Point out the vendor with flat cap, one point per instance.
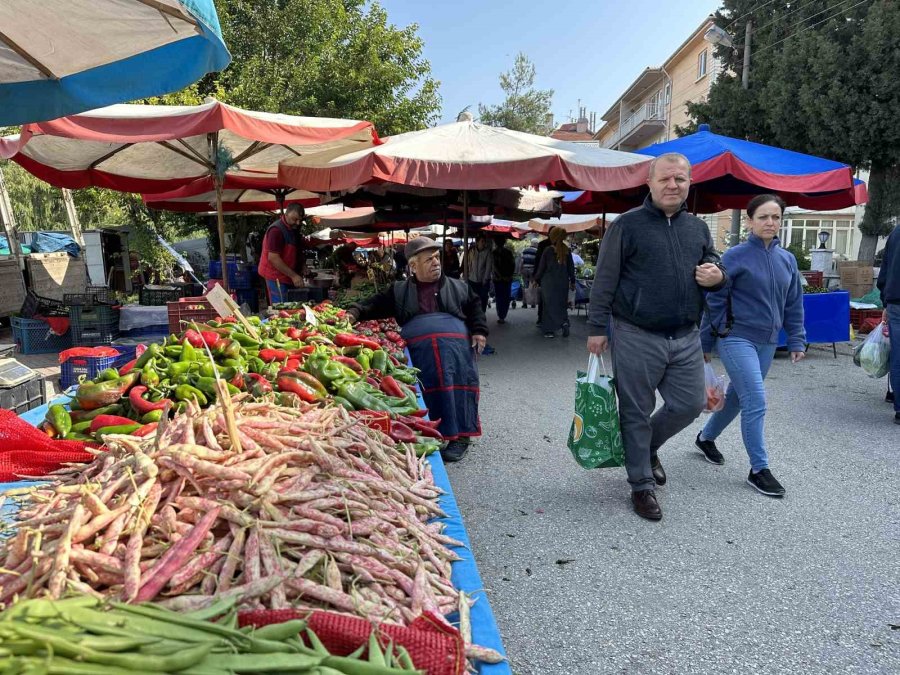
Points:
(445, 328)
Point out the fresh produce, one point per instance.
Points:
(277, 507)
(875, 354)
(80, 634)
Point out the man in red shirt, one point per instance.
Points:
(282, 260)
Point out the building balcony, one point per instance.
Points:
(636, 129)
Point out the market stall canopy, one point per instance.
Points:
(244, 200)
(466, 155)
(60, 57)
(727, 172)
(570, 223)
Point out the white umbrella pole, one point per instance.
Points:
(221, 223)
(466, 224)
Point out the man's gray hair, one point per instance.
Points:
(670, 157)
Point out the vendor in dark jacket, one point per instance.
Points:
(444, 327)
(889, 286)
(655, 263)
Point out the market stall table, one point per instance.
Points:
(465, 575)
(826, 317)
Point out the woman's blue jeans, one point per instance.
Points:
(747, 364)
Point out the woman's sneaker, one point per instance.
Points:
(765, 482)
(710, 451)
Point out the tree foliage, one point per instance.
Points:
(524, 108)
(822, 81)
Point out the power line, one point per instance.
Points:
(742, 16)
(813, 16)
(810, 27)
(784, 16)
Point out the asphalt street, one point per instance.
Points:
(730, 581)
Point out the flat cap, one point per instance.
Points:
(416, 246)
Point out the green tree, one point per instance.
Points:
(524, 108)
(822, 81)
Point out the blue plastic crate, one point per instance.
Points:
(35, 337)
(89, 366)
(250, 296)
(155, 331)
(128, 352)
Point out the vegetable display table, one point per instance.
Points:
(826, 319)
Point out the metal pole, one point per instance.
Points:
(466, 227)
(735, 235)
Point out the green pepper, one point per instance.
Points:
(59, 417)
(185, 392)
(229, 349)
(173, 340)
(79, 416)
(149, 375)
(152, 416)
(184, 378)
(351, 351)
(341, 401)
(379, 360)
(151, 351)
(405, 375)
(107, 374)
(233, 363)
(245, 340)
(256, 365)
(254, 320)
(359, 396)
(205, 384)
(118, 429)
(78, 436)
(207, 369)
(180, 407)
(173, 351)
(364, 358)
(188, 353)
(178, 368)
(80, 427)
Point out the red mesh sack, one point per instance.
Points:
(27, 451)
(433, 646)
(868, 325)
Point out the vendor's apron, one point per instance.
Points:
(440, 347)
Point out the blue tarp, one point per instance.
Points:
(166, 68)
(52, 242)
(4, 246)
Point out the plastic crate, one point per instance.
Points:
(242, 277)
(127, 353)
(93, 295)
(859, 316)
(87, 315)
(215, 266)
(307, 294)
(249, 296)
(188, 310)
(160, 296)
(95, 334)
(89, 366)
(814, 278)
(35, 337)
(23, 397)
(160, 330)
(38, 304)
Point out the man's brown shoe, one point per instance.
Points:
(645, 504)
(659, 474)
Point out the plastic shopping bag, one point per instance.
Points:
(715, 389)
(595, 438)
(532, 294)
(875, 354)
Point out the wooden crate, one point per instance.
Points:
(54, 274)
(12, 287)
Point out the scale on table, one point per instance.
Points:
(12, 373)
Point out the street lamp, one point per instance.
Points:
(823, 237)
(717, 36)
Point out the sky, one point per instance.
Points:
(589, 50)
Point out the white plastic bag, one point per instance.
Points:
(715, 389)
(875, 353)
(532, 294)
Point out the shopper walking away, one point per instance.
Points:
(504, 265)
(647, 299)
(479, 269)
(764, 293)
(556, 276)
(542, 246)
(283, 259)
(400, 261)
(889, 286)
(526, 263)
(445, 329)
(450, 260)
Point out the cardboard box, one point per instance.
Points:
(857, 290)
(857, 275)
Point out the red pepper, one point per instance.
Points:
(348, 340)
(421, 412)
(292, 365)
(391, 387)
(146, 430)
(128, 367)
(294, 333)
(303, 351)
(228, 319)
(401, 433)
(141, 405)
(270, 355)
(347, 361)
(292, 385)
(258, 385)
(284, 315)
(193, 337)
(101, 421)
(211, 338)
(393, 336)
(372, 381)
(238, 381)
(424, 428)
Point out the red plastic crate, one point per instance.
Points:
(859, 316)
(186, 310)
(814, 278)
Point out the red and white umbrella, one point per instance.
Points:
(195, 149)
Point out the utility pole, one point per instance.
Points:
(745, 83)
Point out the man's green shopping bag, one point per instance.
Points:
(595, 438)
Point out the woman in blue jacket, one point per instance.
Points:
(764, 293)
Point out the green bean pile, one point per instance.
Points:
(80, 635)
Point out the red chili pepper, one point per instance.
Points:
(270, 355)
(258, 384)
(228, 319)
(128, 367)
(284, 315)
(294, 333)
(303, 351)
(141, 405)
(421, 412)
(372, 381)
(347, 361)
(401, 433)
(193, 337)
(101, 421)
(393, 336)
(238, 381)
(348, 340)
(211, 338)
(292, 385)
(292, 364)
(391, 387)
(424, 428)
(146, 430)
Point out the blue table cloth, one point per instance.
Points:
(826, 318)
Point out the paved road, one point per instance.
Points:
(730, 581)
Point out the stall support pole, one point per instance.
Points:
(465, 231)
(9, 224)
(220, 220)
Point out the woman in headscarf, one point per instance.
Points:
(556, 276)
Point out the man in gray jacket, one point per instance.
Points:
(647, 300)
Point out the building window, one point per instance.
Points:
(805, 233)
(668, 94)
(701, 64)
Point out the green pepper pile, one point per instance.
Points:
(289, 357)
